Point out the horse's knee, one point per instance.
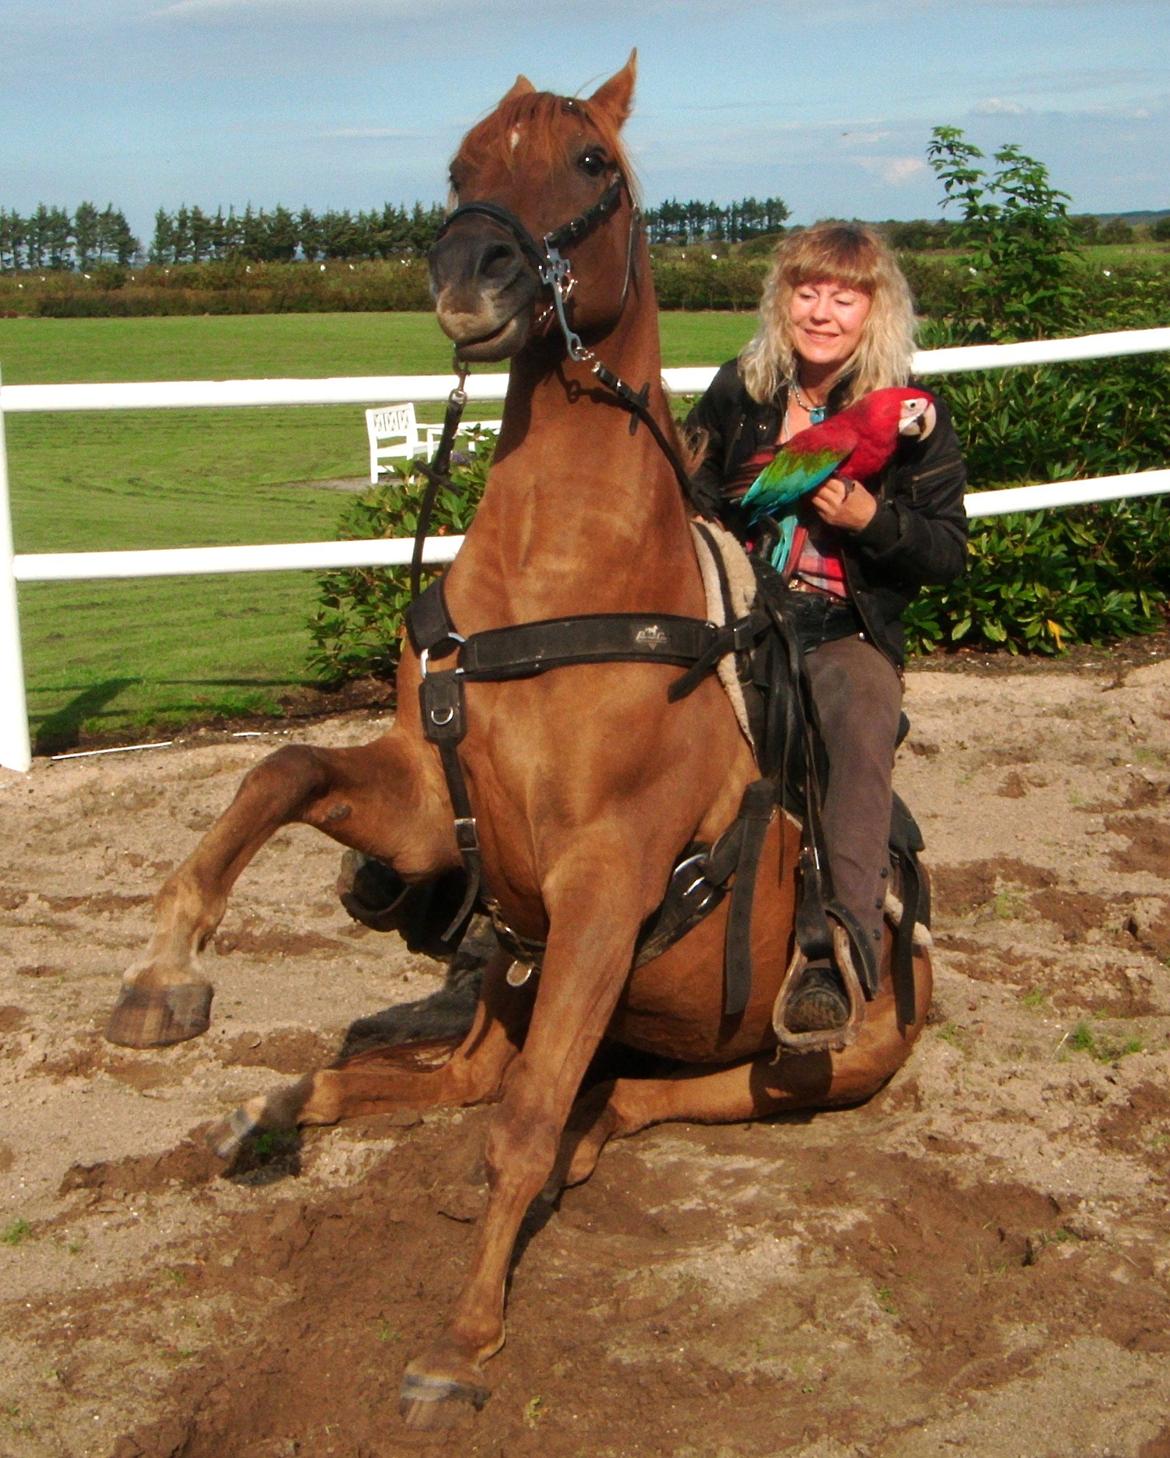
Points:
(519, 1151)
(298, 765)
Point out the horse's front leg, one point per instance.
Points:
(385, 798)
(416, 1075)
(590, 949)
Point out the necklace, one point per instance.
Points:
(816, 413)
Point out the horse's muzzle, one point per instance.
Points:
(484, 287)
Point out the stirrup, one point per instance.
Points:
(820, 1040)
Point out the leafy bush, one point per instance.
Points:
(357, 626)
(1040, 580)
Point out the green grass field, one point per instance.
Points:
(129, 658)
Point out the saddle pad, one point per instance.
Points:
(742, 586)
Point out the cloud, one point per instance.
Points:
(998, 106)
(896, 171)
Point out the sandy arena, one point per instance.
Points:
(977, 1262)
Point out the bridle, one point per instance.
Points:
(552, 268)
(555, 273)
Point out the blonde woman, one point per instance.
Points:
(836, 321)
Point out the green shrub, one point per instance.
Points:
(1038, 581)
(357, 626)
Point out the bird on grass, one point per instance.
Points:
(856, 443)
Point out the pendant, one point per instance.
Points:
(817, 414)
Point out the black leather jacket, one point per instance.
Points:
(918, 534)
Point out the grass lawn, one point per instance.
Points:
(128, 658)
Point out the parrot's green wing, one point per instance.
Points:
(787, 477)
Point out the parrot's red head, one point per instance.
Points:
(908, 411)
(917, 415)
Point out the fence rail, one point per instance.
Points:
(15, 748)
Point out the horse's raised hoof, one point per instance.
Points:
(153, 1017)
(428, 1402)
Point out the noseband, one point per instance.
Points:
(552, 268)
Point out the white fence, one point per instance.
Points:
(15, 750)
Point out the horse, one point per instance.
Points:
(573, 789)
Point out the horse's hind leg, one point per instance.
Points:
(384, 798)
(751, 1090)
(437, 1072)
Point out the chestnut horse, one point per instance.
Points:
(585, 781)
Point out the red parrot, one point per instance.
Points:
(857, 442)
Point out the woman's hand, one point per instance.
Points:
(843, 503)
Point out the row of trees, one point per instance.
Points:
(54, 238)
(694, 221)
(189, 235)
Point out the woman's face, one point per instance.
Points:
(827, 320)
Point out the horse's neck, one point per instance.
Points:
(580, 515)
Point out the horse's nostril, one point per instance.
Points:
(497, 261)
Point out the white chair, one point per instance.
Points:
(396, 435)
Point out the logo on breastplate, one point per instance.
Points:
(650, 637)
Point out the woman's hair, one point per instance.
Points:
(852, 255)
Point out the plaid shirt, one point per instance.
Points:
(816, 559)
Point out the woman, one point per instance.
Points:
(837, 321)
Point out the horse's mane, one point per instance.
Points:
(541, 116)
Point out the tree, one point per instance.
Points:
(281, 243)
(116, 242)
(86, 239)
(1018, 236)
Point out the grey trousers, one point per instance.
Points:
(858, 698)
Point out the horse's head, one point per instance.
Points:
(541, 180)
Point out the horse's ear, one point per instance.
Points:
(520, 87)
(616, 96)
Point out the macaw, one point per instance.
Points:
(857, 442)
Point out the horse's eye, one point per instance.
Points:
(593, 161)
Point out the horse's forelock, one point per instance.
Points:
(545, 123)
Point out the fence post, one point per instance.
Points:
(15, 750)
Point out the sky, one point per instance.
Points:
(348, 104)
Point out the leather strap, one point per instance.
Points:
(755, 814)
(444, 716)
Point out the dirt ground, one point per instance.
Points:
(976, 1262)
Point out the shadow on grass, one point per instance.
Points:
(94, 716)
(62, 730)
